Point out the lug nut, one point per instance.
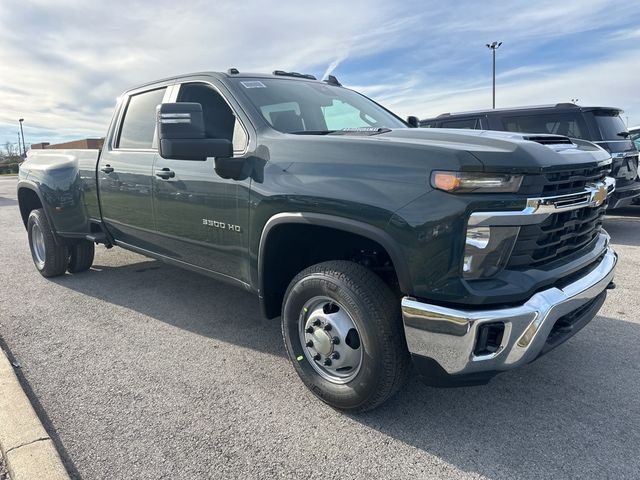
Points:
(309, 344)
(317, 323)
(317, 357)
(327, 361)
(309, 330)
(335, 341)
(328, 327)
(335, 355)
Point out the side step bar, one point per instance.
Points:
(99, 237)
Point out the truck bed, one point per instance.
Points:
(66, 180)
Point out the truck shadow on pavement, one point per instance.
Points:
(183, 299)
(573, 413)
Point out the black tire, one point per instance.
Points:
(375, 311)
(81, 256)
(51, 259)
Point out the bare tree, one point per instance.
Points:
(10, 153)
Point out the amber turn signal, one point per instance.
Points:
(467, 182)
(446, 181)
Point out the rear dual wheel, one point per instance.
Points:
(50, 258)
(343, 333)
(81, 256)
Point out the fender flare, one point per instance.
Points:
(338, 223)
(25, 184)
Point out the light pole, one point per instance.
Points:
(24, 145)
(493, 46)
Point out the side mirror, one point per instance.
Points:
(413, 122)
(182, 135)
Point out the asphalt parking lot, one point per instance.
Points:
(141, 370)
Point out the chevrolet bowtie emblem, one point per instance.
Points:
(600, 195)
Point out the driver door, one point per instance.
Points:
(201, 218)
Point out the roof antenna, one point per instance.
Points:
(332, 80)
(333, 65)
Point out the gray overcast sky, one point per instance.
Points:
(64, 62)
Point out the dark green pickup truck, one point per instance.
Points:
(469, 253)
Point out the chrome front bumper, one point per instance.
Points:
(448, 336)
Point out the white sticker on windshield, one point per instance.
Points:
(253, 84)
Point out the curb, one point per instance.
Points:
(28, 450)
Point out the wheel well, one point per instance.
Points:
(290, 248)
(28, 201)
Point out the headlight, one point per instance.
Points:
(460, 182)
(487, 250)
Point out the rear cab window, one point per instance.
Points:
(341, 115)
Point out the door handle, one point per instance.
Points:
(107, 169)
(165, 173)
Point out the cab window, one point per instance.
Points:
(219, 119)
(139, 123)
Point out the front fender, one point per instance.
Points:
(338, 223)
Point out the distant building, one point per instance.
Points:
(85, 143)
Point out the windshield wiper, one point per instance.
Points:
(313, 132)
(345, 131)
(623, 134)
(362, 131)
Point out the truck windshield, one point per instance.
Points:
(611, 126)
(304, 107)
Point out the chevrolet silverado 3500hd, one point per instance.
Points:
(468, 253)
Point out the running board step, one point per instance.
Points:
(98, 237)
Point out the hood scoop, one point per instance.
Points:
(549, 139)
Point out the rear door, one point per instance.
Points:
(202, 218)
(125, 169)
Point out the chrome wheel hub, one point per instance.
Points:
(37, 242)
(330, 339)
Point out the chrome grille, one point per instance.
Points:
(560, 235)
(563, 182)
(560, 183)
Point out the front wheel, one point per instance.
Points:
(343, 333)
(49, 258)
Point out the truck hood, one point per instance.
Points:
(427, 149)
(411, 154)
(505, 151)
